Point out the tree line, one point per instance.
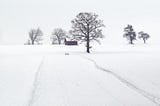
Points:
(86, 27)
(131, 35)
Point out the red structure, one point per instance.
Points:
(70, 42)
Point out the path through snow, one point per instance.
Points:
(146, 94)
(78, 83)
(36, 82)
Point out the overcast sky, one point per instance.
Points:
(19, 16)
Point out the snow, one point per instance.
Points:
(16, 77)
(110, 76)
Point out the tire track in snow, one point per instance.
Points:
(149, 96)
(35, 84)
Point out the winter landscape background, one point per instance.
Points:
(19, 16)
(115, 73)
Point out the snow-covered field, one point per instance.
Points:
(109, 76)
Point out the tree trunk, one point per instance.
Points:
(52, 42)
(32, 42)
(88, 46)
(144, 41)
(59, 41)
(131, 41)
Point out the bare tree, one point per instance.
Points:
(35, 36)
(86, 27)
(129, 34)
(143, 36)
(58, 35)
(28, 42)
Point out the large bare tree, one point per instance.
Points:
(86, 27)
(58, 35)
(35, 36)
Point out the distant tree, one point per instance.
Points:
(58, 35)
(28, 42)
(130, 34)
(35, 36)
(86, 27)
(143, 36)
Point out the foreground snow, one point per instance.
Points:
(16, 77)
(45, 76)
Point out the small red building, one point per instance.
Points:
(70, 42)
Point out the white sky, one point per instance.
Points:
(19, 16)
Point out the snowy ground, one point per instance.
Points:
(109, 76)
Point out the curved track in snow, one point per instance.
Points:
(146, 94)
(35, 84)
